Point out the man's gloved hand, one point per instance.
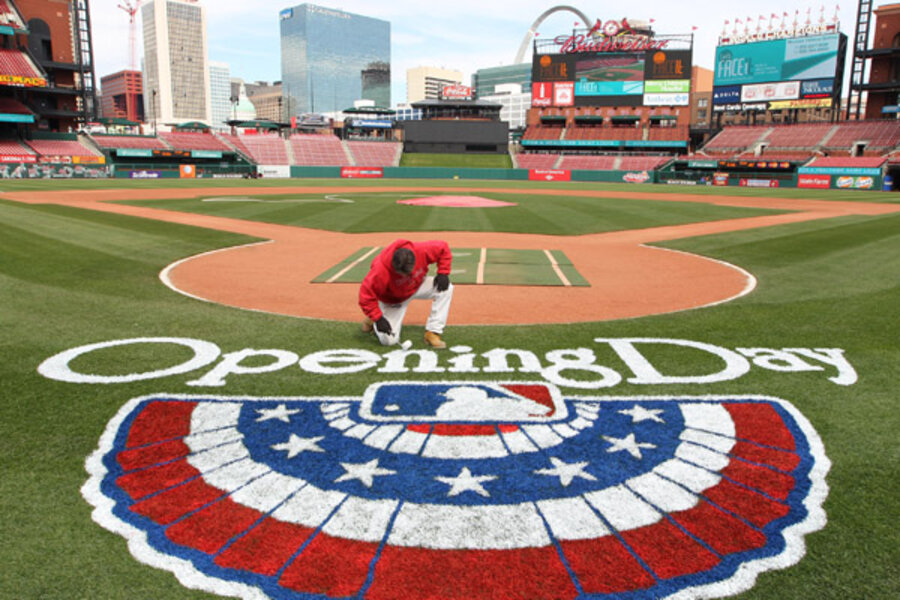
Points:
(441, 282)
(384, 326)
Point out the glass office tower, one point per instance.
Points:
(331, 58)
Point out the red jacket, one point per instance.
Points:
(384, 284)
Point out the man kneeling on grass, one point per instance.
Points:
(398, 275)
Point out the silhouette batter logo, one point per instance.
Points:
(463, 490)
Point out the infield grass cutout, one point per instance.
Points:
(477, 266)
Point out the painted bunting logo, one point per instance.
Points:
(461, 489)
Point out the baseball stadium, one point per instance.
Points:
(669, 365)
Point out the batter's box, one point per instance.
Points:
(477, 266)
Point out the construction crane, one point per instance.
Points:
(131, 10)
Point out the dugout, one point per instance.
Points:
(456, 126)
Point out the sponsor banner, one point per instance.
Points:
(372, 123)
(720, 179)
(871, 171)
(564, 93)
(642, 177)
(703, 164)
(575, 143)
(668, 86)
(807, 103)
(755, 164)
(729, 94)
(21, 81)
(817, 88)
(456, 92)
(821, 182)
(549, 175)
(206, 154)
(553, 67)
(811, 57)
(542, 94)
(609, 88)
(742, 107)
(362, 172)
(274, 171)
(767, 92)
(857, 183)
(134, 152)
(759, 183)
(89, 160)
(187, 171)
(674, 99)
(18, 158)
(51, 171)
(145, 174)
(668, 65)
(655, 143)
(681, 182)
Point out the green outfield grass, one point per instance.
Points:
(70, 277)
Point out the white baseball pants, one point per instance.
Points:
(437, 320)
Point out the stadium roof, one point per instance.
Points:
(369, 110)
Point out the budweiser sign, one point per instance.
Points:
(611, 36)
(456, 92)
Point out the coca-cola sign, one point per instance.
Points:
(456, 92)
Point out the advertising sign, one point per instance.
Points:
(667, 86)
(729, 94)
(820, 182)
(456, 92)
(564, 93)
(22, 81)
(668, 64)
(858, 183)
(362, 172)
(681, 99)
(802, 103)
(542, 94)
(549, 175)
(18, 158)
(817, 88)
(784, 90)
(553, 67)
(813, 57)
(763, 183)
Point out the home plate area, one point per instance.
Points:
(475, 490)
(477, 266)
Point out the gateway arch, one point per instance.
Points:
(529, 35)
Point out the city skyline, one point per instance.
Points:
(472, 36)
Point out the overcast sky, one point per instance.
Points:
(465, 35)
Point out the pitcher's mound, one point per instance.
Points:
(456, 201)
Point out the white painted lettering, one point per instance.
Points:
(846, 374)
(465, 362)
(354, 361)
(777, 360)
(395, 362)
(57, 366)
(645, 373)
(498, 363)
(578, 359)
(231, 365)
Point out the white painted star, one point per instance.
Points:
(639, 413)
(627, 443)
(566, 471)
(466, 482)
(280, 412)
(365, 472)
(296, 444)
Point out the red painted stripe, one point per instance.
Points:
(760, 423)
(522, 574)
(786, 461)
(139, 484)
(452, 429)
(138, 458)
(266, 548)
(721, 531)
(750, 505)
(211, 528)
(538, 393)
(331, 566)
(160, 420)
(604, 566)
(774, 483)
(168, 506)
(668, 551)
